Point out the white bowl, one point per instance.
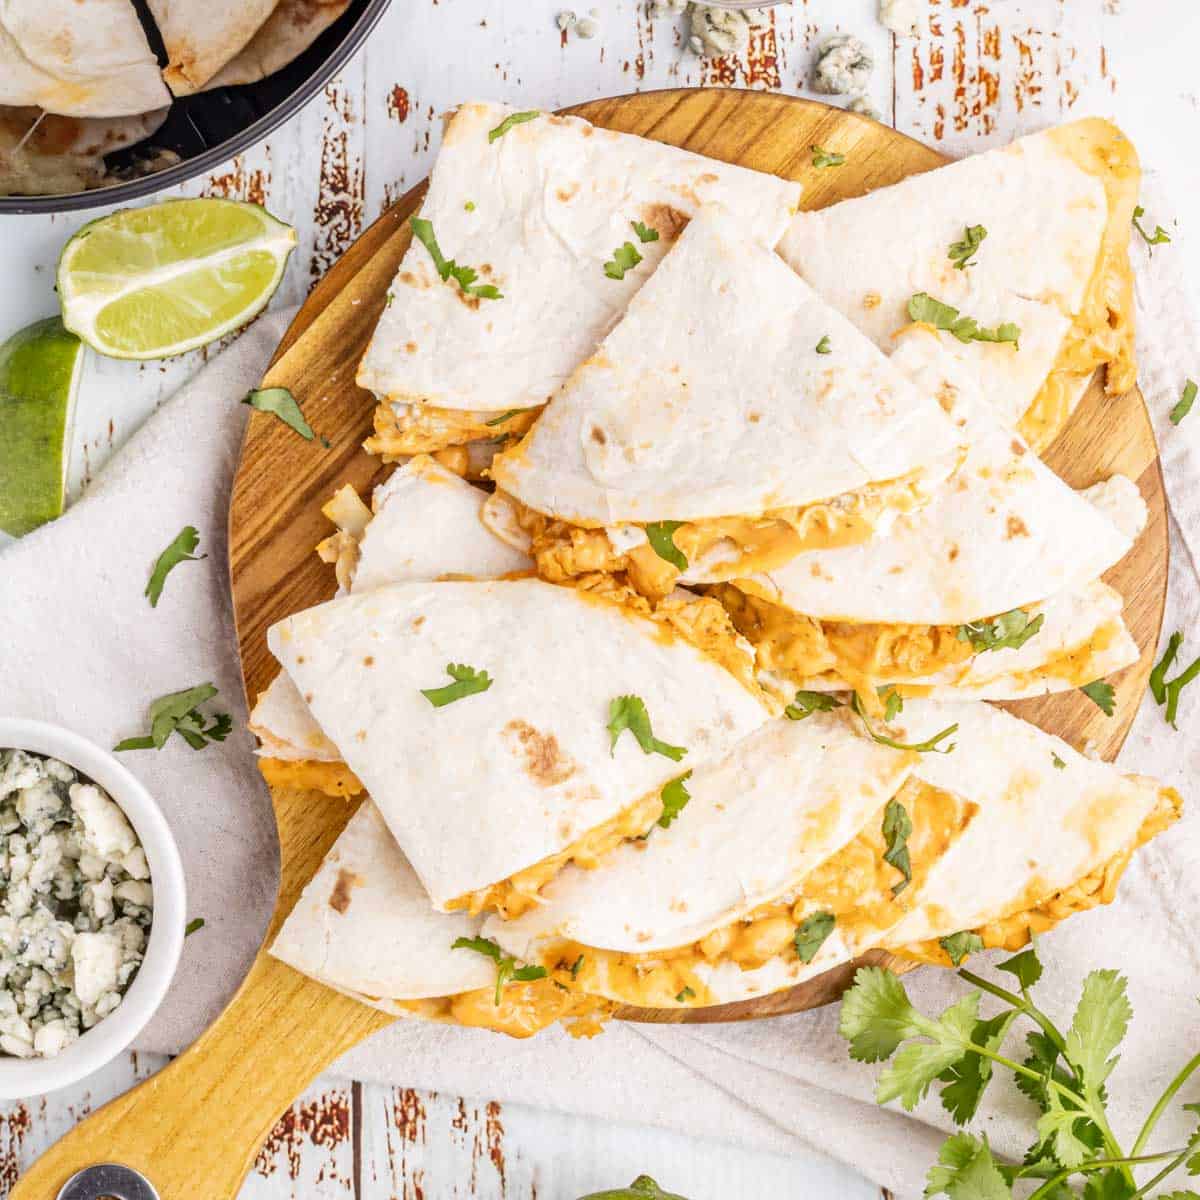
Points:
(108, 1037)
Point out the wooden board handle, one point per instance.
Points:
(194, 1128)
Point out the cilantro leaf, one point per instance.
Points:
(674, 797)
(1025, 966)
(958, 945)
(1186, 401)
(1099, 1024)
(480, 945)
(966, 1171)
(1102, 695)
(804, 704)
(893, 702)
(1059, 764)
(1008, 631)
(876, 1015)
(644, 232)
(824, 346)
(625, 258)
(642, 1188)
(811, 934)
(661, 535)
(1159, 236)
(629, 712)
(180, 550)
(178, 712)
(467, 682)
(191, 927)
(282, 404)
(507, 416)
(917, 1064)
(575, 966)
(924, 309)
(506, 967)
(961, 252)
(1175, 687)
(967, 1080)
(1158, 676)
(897, 826)
(447, 268)
(517, 118)
(686, 993)
(1057, 1129)
(926, 747)
(826, 158)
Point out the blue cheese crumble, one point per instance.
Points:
(76, 904)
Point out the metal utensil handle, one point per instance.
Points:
(108, 1180)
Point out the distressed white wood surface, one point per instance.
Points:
(982, 72)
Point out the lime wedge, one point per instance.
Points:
(153, 282)
(39, 371)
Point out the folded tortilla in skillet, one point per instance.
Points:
(1057, 209)
(201, 36)
(291, 28)
(93, 63)
(538, 211)
(735, 413)
(1004, 540)
(527, 773)
(364, 926)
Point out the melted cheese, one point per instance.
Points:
(1102, 331)
(425, 429)
(1036, 912)
(332, 778)
(855, 884)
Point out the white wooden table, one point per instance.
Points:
(984, 71)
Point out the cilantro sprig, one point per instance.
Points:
(825, 346)
(644, 232)
(1186, 401)
(625, 258)
(931, 745)
(674, 797)
(447, 268)
(506, 966)
(467, 682)
(661, 536)
(822, 158)
(1008, 631)
(179, 712)
(280, 402)
(897, 829)
(804, 704)
(513, 119)
(962, 253)
(811, 934)
(1168, 693)
(629, 712)
(508, 416)
(924, 309)
(1157, 238)
(1102, 694)
(1064, 1074)
(196, 923)
(179, 551)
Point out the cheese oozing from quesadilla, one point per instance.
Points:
(729, 422)
(558, 223)
(1033, 236)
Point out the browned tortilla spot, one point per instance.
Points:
(1015, 528)
(668, 221)
(346, 882)
(545, 761)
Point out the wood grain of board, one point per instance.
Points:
(205, 1115)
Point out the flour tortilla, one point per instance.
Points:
(425, 524)
(1040, 827)
(552, 199)
(1043, 202)
(711, 399)
(290, 29)
(520, 771)
(55, 56)
(201, 36)
(364, 925)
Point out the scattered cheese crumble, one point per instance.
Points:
(843, 66)
(76, 906)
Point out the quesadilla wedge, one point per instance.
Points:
(730, 421)
(1054, 832)
(1019, 257)
(93, 63)
(201, 36)
(423, 523)
(364, 926)
(534, 235)
(803, 847)
(544, 720)
(992, 590)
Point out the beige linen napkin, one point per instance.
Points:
(81, 646)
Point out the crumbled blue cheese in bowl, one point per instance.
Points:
(75, 904)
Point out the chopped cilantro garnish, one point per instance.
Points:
(826, 158)
(958, 945)
(961, 252)
(180, 550)
(629, 712)
(644, 232)
(661, 535)
(575, 967)
(518, 118)
(281, 403)
(1186, 401)
(191, 927)
(811, 934)
(467, 682)
(893, 702)
(506, 965)
(447, 268)
(1169, 693)
(804, 704)
(1101, 694)
(1159, 236)
(178, 712)
(824, 346)
(1008, 631)
(1158, 687)
(920, 747)
(897, 826)
(674, 797)
(625, 258)
(508, 416)
(469, 206)
(686, 994)
(1059, 765)
(923, 308)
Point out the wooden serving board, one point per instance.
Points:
(195, 1128)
